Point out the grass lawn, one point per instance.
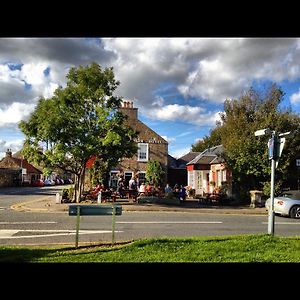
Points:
(221, 249)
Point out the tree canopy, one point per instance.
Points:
(80, 121)
(155, 173)
(247, 155)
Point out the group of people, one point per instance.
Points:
(178, 191)
(134, 189)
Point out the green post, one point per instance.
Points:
(77, 226)
(113, 223)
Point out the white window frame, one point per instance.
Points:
(139, 152)
(111, 177)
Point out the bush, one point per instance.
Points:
(67, 194)
(169, 195)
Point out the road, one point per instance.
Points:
(37, 228)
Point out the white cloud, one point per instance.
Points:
(15, 146)
(180, 152)
(295, 98)
(169, 139)
(213, 69)
(14, 113)
(183, 113)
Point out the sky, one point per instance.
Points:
(179, 85)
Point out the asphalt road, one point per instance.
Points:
(38, 228)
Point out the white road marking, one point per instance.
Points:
(283, 223)
(171, 222)
(14, 223)
(9, 234)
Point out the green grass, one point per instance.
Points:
(241, 249)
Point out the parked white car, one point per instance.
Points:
(288, 204)
(49, 182)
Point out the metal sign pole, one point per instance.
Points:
(113, 223)
(77, 226)
(271, 210)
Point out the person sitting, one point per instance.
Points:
(142, 189)
(182, 193)
(168, 189)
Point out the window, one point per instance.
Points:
(142, 177)
(113, 179)
(142, 152)
(199, 180)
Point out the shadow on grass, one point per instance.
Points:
(21, 255)
(24, 255)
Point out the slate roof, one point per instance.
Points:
(208, 156)
(180, 163)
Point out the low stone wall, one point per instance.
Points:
(158, 200)
(9, 177)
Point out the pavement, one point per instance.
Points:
(48, 204)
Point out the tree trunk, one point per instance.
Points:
(81, 182)
(76, 188)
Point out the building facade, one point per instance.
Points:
(207, 172)
(17, 171)
(151, 146)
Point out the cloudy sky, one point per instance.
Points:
(178, 84)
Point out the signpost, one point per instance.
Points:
(298, 167)
(275, 147)
(94, 210)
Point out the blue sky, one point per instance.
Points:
(178, 84)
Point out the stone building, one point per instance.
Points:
(16, 171)
(151, 146)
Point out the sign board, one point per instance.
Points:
(272, 148)
(24, 171)
(94, 210)
(280, 145)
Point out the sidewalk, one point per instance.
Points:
(48, 204)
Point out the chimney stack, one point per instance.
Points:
(128, 109)
(8, 153)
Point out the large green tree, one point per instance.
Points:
(80, 121)
(247, 155)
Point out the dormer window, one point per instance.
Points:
(143, 152)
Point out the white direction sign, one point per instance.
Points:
(281, 142)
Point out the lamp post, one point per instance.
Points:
(275, 146)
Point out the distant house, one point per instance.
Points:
(207, 172)
(177, 171)
(20, 170)
(151, 146)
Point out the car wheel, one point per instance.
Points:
(295, 212)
